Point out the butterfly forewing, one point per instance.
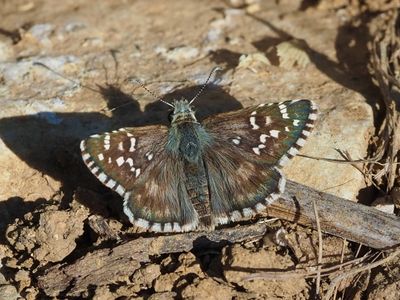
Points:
(272, 133)
(133, 162)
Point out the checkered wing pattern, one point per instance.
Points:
(250, 145)
(133, 162)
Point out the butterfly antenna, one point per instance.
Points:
(215, 69)
(151, 93)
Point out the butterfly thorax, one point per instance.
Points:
(186, 138)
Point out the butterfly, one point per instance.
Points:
(192, 175)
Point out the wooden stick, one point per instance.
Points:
(337, 216)
(116, 264)
(340, 217)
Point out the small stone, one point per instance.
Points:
(9, 292)
(41, 32)
(23, 278)
(163, 296)
(6, 51)
(384, 204)
(179, 54)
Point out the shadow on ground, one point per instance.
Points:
(54, 149)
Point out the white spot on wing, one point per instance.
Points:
(120, 190)
(167, 227)
(283, 161)
(137, 172)
(149, 155)
(274, 133)
(282, 106)
(111, 183)
(121, 146)
(235, 215)
(129, 161)
(312, 116)
(133, 143)
(260, 207)
(293, 151)
(263, 138)
(86, 156)
(223, 220)
(268, 120)
(142, 223)
(100, 156)
(236, 141)
(256, 150)
(253, 123)
(296, 122)
(120, 160)
(82, 145)
(247, 212)
(128, 212)
(176, 227)
(301, 142)
(102, 177)
(156, 227)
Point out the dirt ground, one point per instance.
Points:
(55, 214)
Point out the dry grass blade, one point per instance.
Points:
(385, 67)
(319, 261)
(356, 270)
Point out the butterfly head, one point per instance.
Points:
(183, 112)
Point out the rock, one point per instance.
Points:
(239, 262)
(163, 296)
(179, 54)
(41, 33)
(9, 292)
(384, 204)
(103, 293)
(188, 265)
(23, 278)
(53, 238)
(208, 289)
(144, 277)
(6, 51)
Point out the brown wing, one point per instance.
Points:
(133, 162)
(249, 145)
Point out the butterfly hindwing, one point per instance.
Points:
(239, 186)
(133, 162)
